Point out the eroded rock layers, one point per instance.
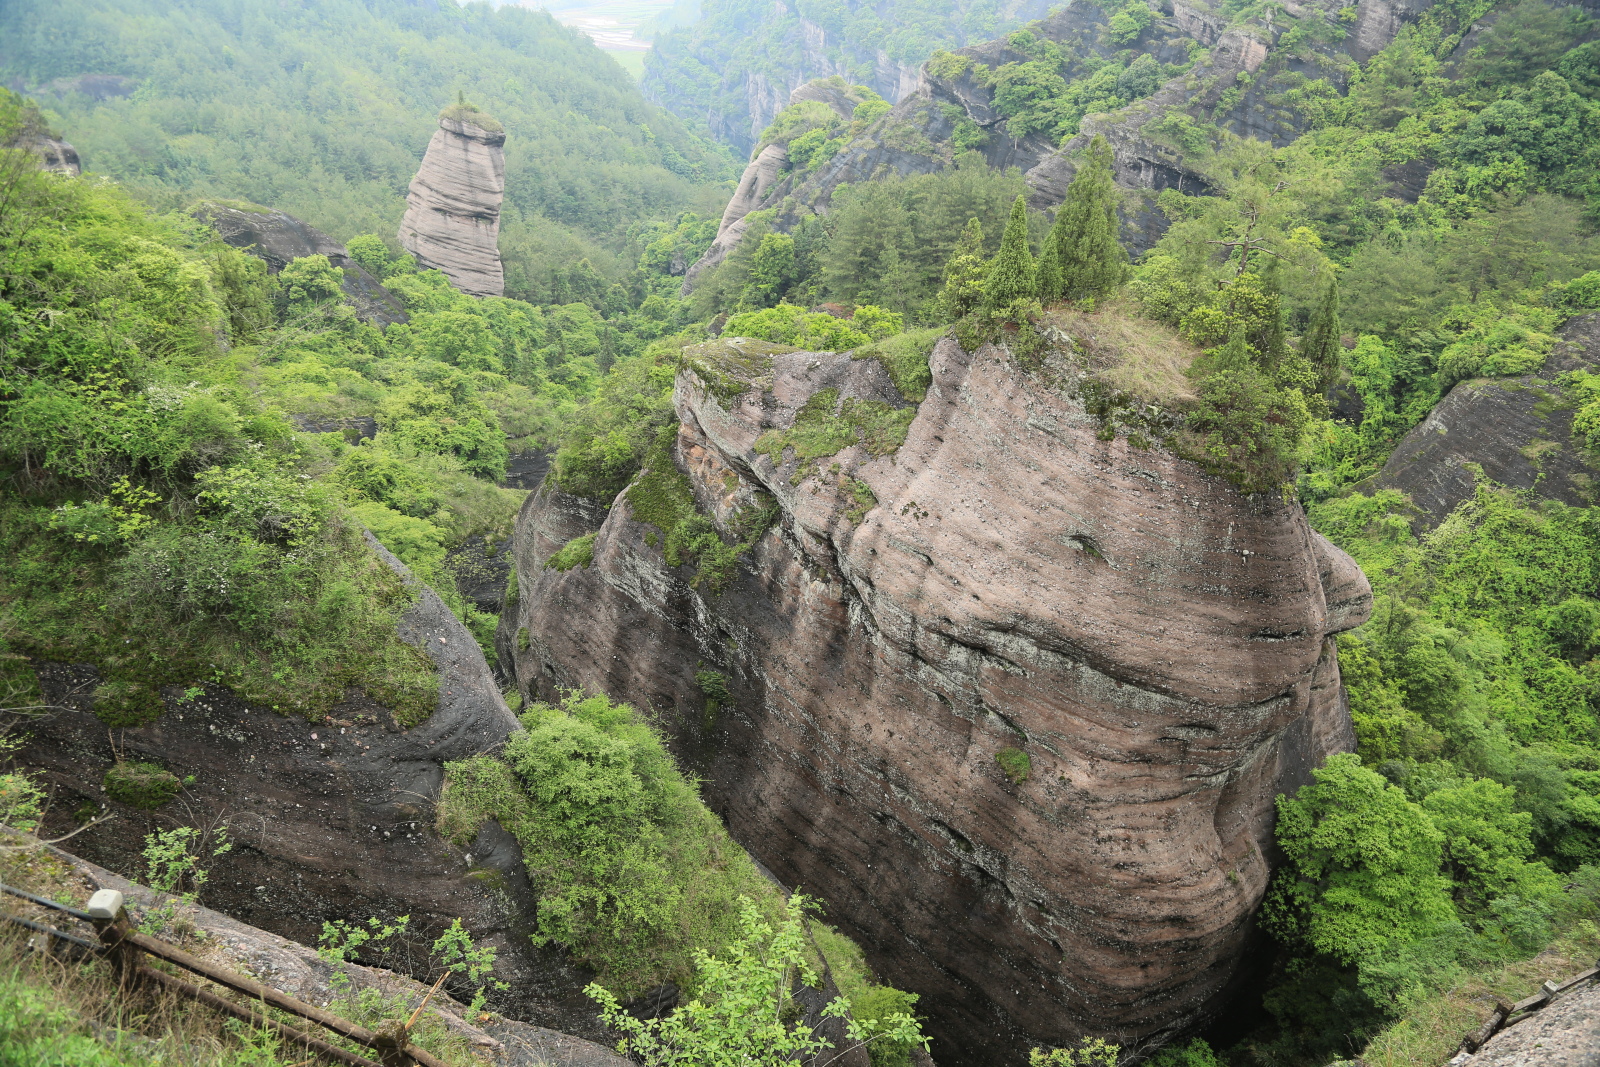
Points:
(1157, 645)
(452, 219)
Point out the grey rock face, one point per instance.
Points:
(1564, 1034)
(1517, 431)
(278, 238)
(764, 172)
(331, 819)
(452, 219)
(55, 155)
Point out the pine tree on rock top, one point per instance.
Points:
(964, 273)
(1011, 275)
(1085, 233)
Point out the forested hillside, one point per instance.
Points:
(734, 67)
(323, 110)
(1413, 225)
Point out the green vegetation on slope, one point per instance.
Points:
(701, 71)
(634, 873)
(162, 519)
(324, 109)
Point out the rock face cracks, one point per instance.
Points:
(452, 219)
(1014, 701)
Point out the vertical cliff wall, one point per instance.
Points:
(452, 219)
(911, 626)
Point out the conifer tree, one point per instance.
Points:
(964, 273)
(1049, 272)
(1320, 345)
(1086, 229)
(1011, 275)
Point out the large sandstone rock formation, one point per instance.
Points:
(278, 238)
(1514, 431)
(330, 820)
(1157, 644)
(452, 219)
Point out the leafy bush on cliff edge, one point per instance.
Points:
(633, 872)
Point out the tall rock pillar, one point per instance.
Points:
(452, 220)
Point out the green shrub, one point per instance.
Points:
(905, 357)
(633, 872)
(140, 784)
(123, 703)
(578, 552)
(1015, 763)
(742, 1010)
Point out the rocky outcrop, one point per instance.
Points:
(330, 819)
(296, 969)
(1514, 431)
(278, 238)
(1240, 84)
(1015, 701)
(1564, 1034)
(764, 172)
(452, 219)
(758, 57)
(27, 130)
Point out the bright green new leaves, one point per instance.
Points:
(1364, 870)
(743, 1013)
(964, 273)
(1011, 274)
(1487, 843)
(633, 872)
(815, 331)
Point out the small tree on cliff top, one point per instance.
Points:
(1011, 275)
(1085, 232)
(964, 273)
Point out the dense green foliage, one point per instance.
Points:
(161, 517)
(885, 243)
(1053, 88)
(1011, 278)
(1082, 258)
(633, 873)
(744, 1011)
(701, 71)
(324, 109)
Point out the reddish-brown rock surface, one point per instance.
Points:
(1157, 643)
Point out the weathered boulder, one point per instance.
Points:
(1148, 650)
(329, 820)
(1514, 431)
(32, 134)
(452, 219)
(278, 238)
